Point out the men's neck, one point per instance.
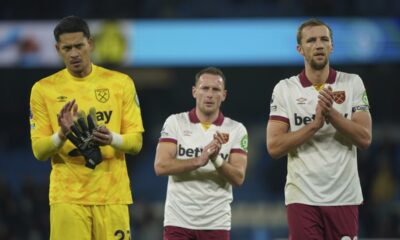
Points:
(84, 73)
(205, 118)
(317, 76)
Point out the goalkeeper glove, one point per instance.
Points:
(81, 136)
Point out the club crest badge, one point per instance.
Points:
(339, 96)
(102, 95)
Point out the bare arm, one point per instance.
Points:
(166, 162)
(66, 117)
(280, 141)
(358, 130)
(234, 170)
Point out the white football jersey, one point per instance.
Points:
(200, 199)
(322, 171)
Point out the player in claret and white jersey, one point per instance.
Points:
(318, 119)
(204, 153)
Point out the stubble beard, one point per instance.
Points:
(208, 111)
(318, 66)
(79, 70)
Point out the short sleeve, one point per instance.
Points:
(278, 108)
(360, 99)
(240, 143)
(169, 130)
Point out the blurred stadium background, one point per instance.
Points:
(162, 44)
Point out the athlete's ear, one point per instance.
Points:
(91, 43)
(300, 49)
(57, 47)
(194, 91)
(224, 94)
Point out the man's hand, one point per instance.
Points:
(319, 119)
(206, 154)
(102, 135)
(66, 118)
(81, 135)
(219, 138)
(215, 147)
(325, 100)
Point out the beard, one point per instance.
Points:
(318, 66)
(207, 111)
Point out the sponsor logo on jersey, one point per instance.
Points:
(187, 133)
(195, 152)
(104, 116)
(300, 120)
(362, 108)
(301, 100)
(102, 95)
(62, 98)
(339, 96)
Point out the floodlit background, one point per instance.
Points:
(161, 45)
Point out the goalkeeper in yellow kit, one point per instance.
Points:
(85, 118)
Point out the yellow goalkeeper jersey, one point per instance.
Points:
(113, 94)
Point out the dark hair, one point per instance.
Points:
(71, 24)
(212, 71)
(313, 22)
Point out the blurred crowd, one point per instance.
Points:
(195, 9)
(24, 210)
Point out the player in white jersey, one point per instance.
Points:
(318, 119)
(204, 153)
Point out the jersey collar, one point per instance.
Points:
(305, 82)
(194, 119)
(91, 75)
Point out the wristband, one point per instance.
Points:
(218, 162)
(116, 140)
(56, 140)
